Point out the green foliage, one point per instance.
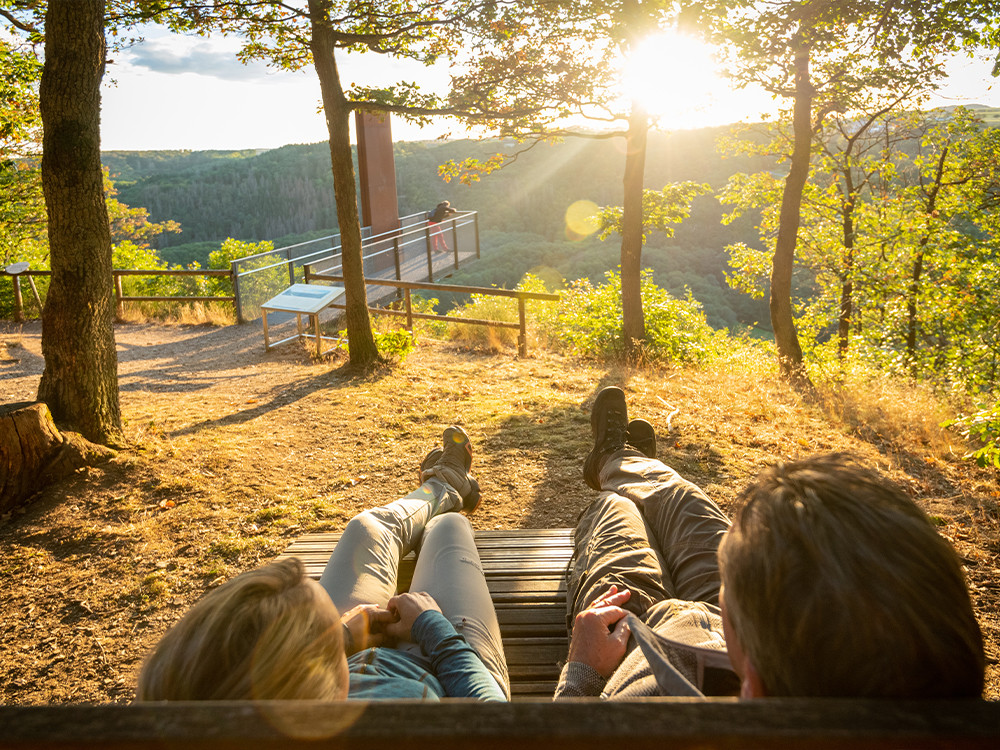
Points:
(588, 323)
(260, 278)
(22, 211)
(983, 427)
(397, 343)
(661, 209)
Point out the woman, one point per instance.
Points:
(274, 633)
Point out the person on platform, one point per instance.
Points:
(434, 218)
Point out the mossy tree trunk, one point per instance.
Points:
(80, 380)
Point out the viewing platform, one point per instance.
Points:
(404, 254)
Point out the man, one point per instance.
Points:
(830, 582)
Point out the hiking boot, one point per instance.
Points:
(451, 464)
(609, 425)
(641, 436)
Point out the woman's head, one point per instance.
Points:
(269, 634)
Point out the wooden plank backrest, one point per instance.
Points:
(526, 573)
(651, 724)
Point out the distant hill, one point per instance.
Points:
(263, 195)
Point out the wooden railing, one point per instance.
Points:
(407, 286)
(120, 297)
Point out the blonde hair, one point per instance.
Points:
(837, 584)
(263, 635)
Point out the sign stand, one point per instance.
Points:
(299, 300)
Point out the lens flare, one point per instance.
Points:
(581, 219)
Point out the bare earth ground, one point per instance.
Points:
(235, 452)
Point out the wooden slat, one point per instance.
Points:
(651, 724)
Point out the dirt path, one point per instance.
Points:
(238, 451)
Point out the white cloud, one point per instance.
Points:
(202, 59)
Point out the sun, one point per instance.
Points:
(674, 77)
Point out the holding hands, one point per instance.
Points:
(368, 625)
(600, 633)
(406, 608)
(364, 627)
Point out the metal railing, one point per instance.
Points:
(400, 253)
(407, 311)
(404, 252)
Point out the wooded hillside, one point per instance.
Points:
(286, 195)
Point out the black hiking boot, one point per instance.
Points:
(641, 436)
(609, 425)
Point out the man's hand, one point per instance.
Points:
(366, 624)
(406, 608)
(600, 633)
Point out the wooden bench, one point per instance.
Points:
(652, 724)
(526, 574)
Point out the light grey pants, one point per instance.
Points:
(649, 531)
(364, 566)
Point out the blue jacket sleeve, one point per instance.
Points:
(456, 664)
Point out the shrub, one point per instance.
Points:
(981, 427)
(589, 323)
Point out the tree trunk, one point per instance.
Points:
(916, 274)
(33, 453)
(847, 283)
(633, 319)
(363, 351)
(80, 380)
(785, 336)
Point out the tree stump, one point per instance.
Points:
(34, 453)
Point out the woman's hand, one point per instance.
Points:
(406, 608)
(365, 626)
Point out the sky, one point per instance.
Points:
(181, 92)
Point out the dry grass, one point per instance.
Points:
(237, 451)
(189, 314)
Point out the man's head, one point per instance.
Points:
(836, 584)
(268, 634)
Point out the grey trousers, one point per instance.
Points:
(649, 531)
(364, 566)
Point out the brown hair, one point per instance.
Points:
(837, 584)
(263, 635)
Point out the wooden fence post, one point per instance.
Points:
(409, 311)
(18, 301)
(119, 305)
(522, 336)
(234, 276)
(454, 240)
